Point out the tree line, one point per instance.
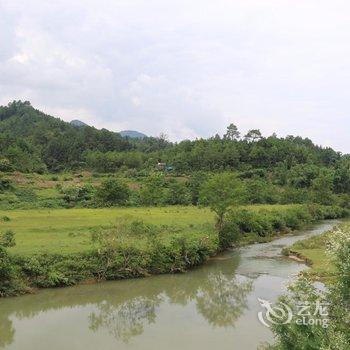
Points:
(31, 141)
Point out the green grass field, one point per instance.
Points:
(69, 230)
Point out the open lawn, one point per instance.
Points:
(69, 230)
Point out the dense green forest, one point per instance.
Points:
(273, 169)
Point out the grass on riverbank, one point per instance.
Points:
(313, 250)
(55, 248)
(67, 231)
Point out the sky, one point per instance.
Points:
(186, 68)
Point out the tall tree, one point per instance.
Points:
(253, 135)
(221, 192)
(232, 132)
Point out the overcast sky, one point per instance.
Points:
(187, 68)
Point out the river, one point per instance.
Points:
(213, 306)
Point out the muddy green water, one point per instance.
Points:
(214, 306)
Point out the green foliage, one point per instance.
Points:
(112, 192)
(5, 184)
(276, 170)
(7, 273)
(7, 239)
(260, 191)
(112, 161)
(232, 132)
(153, 190)
(253, 135)
(77, 194)
(323, 187)
(293, 336)
(246, 226)
(177, 193)
(221, 192)
(32, 141)
(194, 185)
(5, 165)
(9, 284)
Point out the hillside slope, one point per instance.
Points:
(33, 141)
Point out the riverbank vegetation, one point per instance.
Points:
(129, 246)
(330, 256)
(314, 252)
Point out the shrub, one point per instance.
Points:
(5, 184)
(9, 281)
(177, 194)
(112, 192)
(264, 222)
(77, 194)
(230, 233)
(7, 239)
(5, 165)
(153, 190)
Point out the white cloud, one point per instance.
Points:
(186, 68)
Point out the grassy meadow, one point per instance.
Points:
(69, 230)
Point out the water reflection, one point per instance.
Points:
(6, 331)
(124, 308)
(221, 300)
(125, 320)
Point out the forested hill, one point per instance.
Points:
(31, 141)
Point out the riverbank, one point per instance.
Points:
(313, 251)
(217, 302)
(138, 249)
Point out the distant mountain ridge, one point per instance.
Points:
(77, 122)
(132, 134)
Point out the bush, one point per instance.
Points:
(9, 282)
(5, 184)
(177, 194)
(5, 165)
(229, 234)
(112, 192)
(153, 190)
(77, 194)
(7, 239)
(264, 223)
(7, 273)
